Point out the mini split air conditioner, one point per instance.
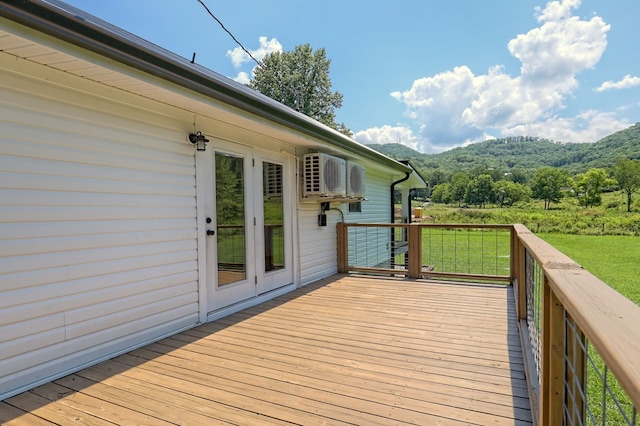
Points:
(324, 176)
(355, 180)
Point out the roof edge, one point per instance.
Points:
(72, 25)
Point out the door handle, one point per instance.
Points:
(210, 232)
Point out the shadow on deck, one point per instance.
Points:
(344, 350)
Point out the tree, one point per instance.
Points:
(441, 193)
(458, 188)
(479, 191)
(627, 173)
(507, 193)
(229, 190)
(435, 177)
(495, 174)
(300, 80)
(547, 184)
(517, 176)
(587, 187)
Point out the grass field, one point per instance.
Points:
(613, 259)
(616, 261)
(467, 251)
(604, 240)
(564, 218)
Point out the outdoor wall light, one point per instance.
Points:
(198, 140)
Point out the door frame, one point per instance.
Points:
(221, 296)
(265, 280)
(204, 205)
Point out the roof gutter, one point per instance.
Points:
(74, 26)
(392, 190)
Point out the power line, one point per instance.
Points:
(228, 32)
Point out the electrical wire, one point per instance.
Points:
(228, 32)
(341, 213)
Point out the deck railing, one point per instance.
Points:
(581, 338)
(468, 252)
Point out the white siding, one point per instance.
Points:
(370, 246)
(318, 255)
(317, 244)
(98, 228)
(97, 225)
(377, 207)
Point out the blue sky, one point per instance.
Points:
(432, 75)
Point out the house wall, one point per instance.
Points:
(318, 244)
(97, 223)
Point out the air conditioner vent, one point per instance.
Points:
(355, 180)
(324, 176)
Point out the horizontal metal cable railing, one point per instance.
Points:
(481, 253)
(478, 252)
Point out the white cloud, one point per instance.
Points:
(239, 57)
(561, 47)
(627, 82)
(557, 10)
(457, 106)
(588, 126)
(436, 104)
(405, 136)
(242, 78)
(388, 134)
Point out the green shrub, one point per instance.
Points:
(613, 205)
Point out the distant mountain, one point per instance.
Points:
(396, 150)
(523, 153)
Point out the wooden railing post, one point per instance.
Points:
(521, 273)
(343, 252)
(519, 270)
(513, 256)
(515, 278)
(415, 250)
(552, 359)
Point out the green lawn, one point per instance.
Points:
(564, 218)
(616, 261)
(604, 240)
(467, 251)
(613, 259)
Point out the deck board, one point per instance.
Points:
(345, 350)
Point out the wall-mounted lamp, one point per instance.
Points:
(198, 140)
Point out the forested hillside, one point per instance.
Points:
(523, 154)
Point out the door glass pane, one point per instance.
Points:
(273, 216)
(230, 209)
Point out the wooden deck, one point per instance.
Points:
(346, 350)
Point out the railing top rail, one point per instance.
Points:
(432, 225)
(547, 255)
(608, 319)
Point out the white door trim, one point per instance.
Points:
(204, 180)
(221, 296)
(205, 204)
(269, 281)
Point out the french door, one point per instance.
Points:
(249, 233)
